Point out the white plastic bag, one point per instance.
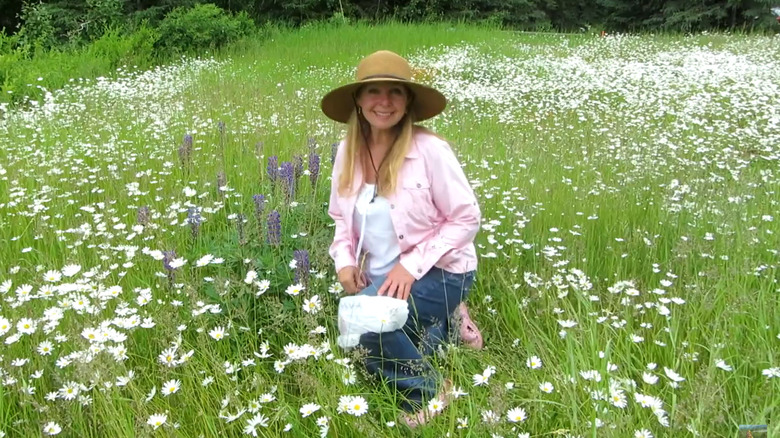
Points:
(360, 314)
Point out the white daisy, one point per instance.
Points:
(516, 415)
(157, 420)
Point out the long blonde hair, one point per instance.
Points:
(358, 131)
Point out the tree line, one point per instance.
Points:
(69, 19)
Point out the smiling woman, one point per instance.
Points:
(405, 220)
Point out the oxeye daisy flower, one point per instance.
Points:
(618, 399)
(357, 406)
(672, 375)
(348, 376)
(771, 373)
(69, 391)
(312, 305)
(262, 287)
(546, 387)
(435, 405)
(178, 263)
(490, 417)
(480, 380)
(157, 420)
(251, 276)
(516, 415)
(168, 357)
(259, 420)
(52, 276)
(463, 423)
(458, 392)
(45, 348)
(52, 428)
(71, 270)
(643, 433)
(218, 333)
(309, 408)
(203, 261)
(170, 387)
(533, 362)
(5, 325)
(26, 326)
(294, 289)
(720, 363)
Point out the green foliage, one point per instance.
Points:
(102, 15)
(20, 69)
(116, 49)
(203, 26)
(38, 29)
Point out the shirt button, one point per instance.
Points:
(419, 185)
(419, 271)
(392, 205)
(401, 236)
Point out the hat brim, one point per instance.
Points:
(339, 104)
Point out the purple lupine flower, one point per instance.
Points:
(302, 266)
(334, 148)
(194, 219)
(185, 150)
(187, 142)
(298, 166)
(240, 219)
(314, 168)
(168, 257)
(274, 236)
(273, 168)
(143, 215)
(259, 205)
(287, 175)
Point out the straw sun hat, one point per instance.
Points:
(383, 66)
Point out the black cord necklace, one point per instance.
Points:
(376, 173)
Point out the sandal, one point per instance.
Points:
(422, 416)
(469, 333)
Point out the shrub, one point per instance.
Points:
(203, 26)
(115, 49)
(38, 29)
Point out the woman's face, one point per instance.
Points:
(383, 104)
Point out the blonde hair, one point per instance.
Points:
(355, 147)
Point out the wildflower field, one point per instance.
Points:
(164, 235)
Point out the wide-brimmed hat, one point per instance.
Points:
(383, 66)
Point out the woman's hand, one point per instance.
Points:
(398, 283)
(351, 280)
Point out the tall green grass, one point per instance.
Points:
(535, 167)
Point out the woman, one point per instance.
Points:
(405, 221)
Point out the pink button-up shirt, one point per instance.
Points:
(434, 211)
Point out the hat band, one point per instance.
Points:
(384, 76)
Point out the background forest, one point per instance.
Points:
(45, 44)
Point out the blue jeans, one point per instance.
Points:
(400, 356)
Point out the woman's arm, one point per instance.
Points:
(341, 249)
(453, 197)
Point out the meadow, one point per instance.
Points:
(164, 267)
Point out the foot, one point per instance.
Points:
(469, 333)
(426, 413)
